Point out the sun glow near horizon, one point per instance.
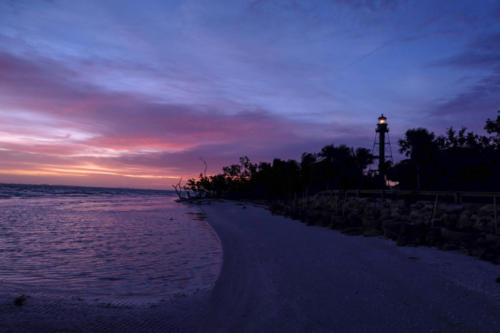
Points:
(88, 170)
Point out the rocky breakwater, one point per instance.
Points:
(465, 227)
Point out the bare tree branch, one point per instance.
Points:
(206, 167)
(178, 189)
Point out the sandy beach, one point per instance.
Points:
(280, 275)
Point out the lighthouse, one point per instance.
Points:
(382, 129)
(383, 142)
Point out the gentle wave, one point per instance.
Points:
(100, 247)
(8, 191)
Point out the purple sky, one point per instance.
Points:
(135, 93)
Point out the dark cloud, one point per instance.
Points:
(489, 43)
(373, 4)
(481, 98)
(497, 13)
(357, 4)
(482, 52)
(472, 59)
(477, 102)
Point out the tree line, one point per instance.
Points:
(458, 160)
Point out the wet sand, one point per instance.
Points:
(280, 275)
(180, 314)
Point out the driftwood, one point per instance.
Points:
(178, 189)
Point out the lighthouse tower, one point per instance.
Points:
(382, 140)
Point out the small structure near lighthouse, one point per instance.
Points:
(383, 142)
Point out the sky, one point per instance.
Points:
(140, 93)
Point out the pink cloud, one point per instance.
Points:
(162, 139)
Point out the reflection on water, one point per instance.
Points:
(97, 247)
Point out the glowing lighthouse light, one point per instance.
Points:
(382, 119)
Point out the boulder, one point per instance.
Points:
(433, 236)
(412, 234)
(391, 228)
(464, 220)
(448, 220)
(352, 231)
(372, 232)
(451, 208)
(354, 220)
(486, 210)
(483, 224)
(456, 237)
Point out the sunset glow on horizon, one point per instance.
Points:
(139, 94)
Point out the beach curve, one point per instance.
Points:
(280, 275)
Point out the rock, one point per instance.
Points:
(483, 224)
(437, 222)
(414, 215)
(468, 227)
(446, 221)
(486, 210)
(456, 237)
(489, 255)
(412, 234)
(464, 220)
(370, 222)
(334, 221)
(433, 236)
(372, 232)
(419, 216)
(492, 242)
(417, 205)
(372, 212)
(449, 247)
(19, 301)
(493, 238)
(476, 251)
(391, 228)
(354, 220)
(451, 208)
(353, 231)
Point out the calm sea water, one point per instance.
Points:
(103, 244)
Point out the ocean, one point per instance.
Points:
(103, 245)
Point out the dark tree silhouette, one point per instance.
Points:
(334, 167)
(458, 160)
(419, 145)
(493, 127)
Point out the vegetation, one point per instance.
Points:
(333, 167)
(459, 160)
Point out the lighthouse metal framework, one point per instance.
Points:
(383, 143)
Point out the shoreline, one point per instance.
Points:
(280, 275)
